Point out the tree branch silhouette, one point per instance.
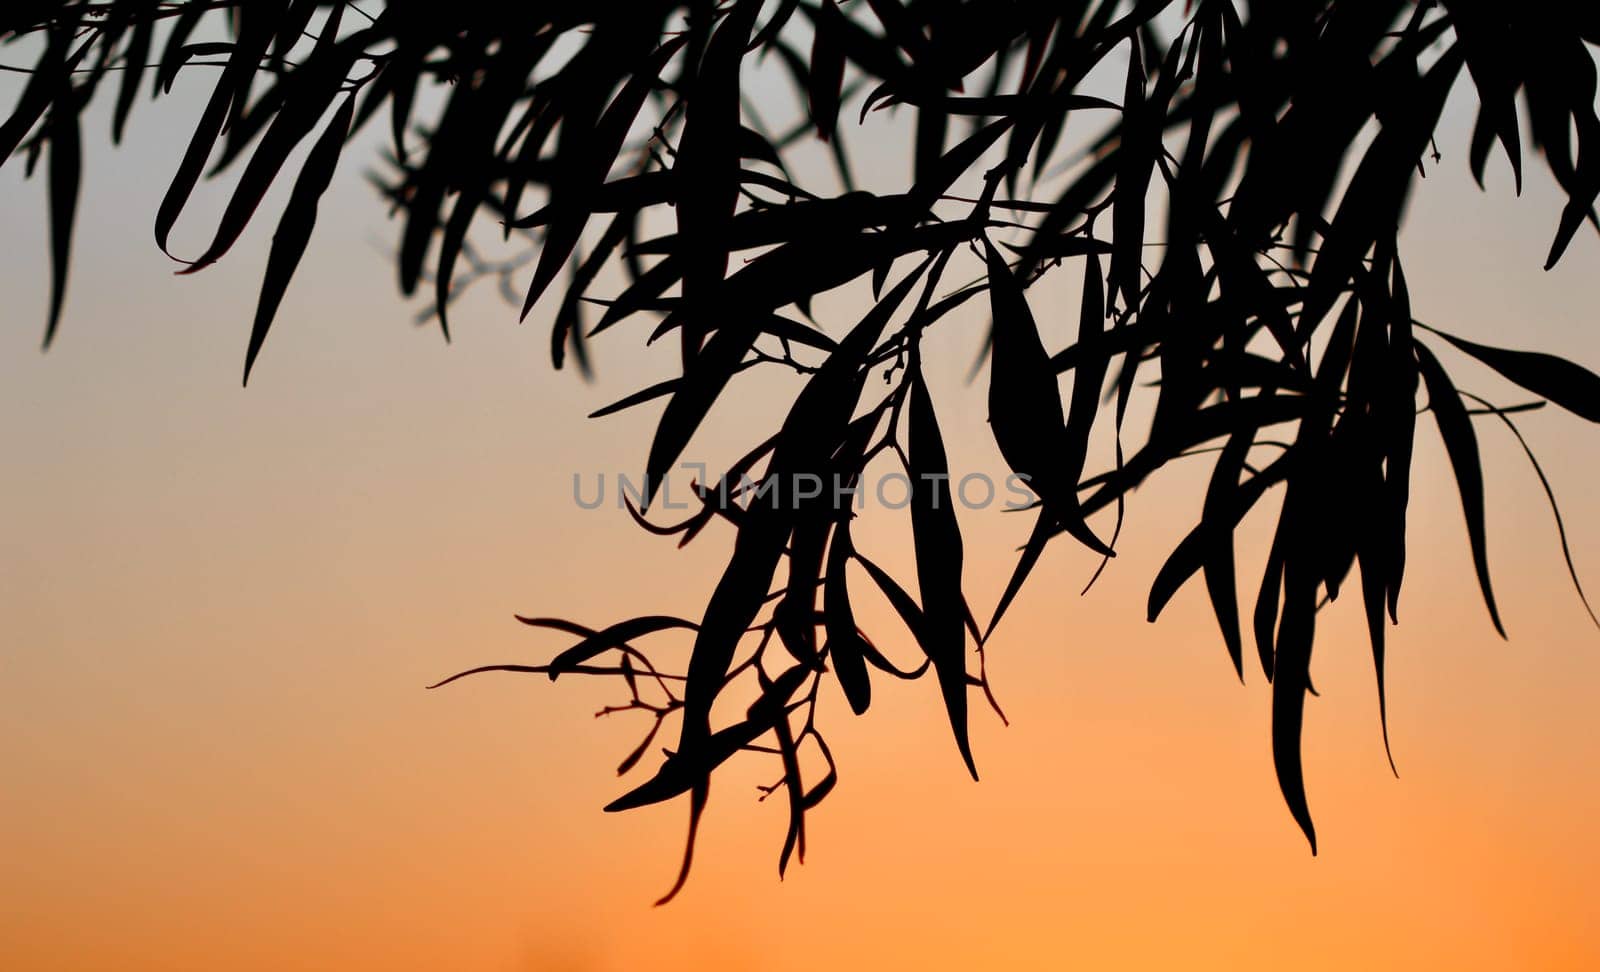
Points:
(1234, 220)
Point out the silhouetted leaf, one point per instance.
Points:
(46, 83)
(1555, 508)
(289, 126)
(235, 76)
(682, 771)
(1133, 179)
(586, 163)
(66, 165)
(632, 759)
(707, 167)
(137, 53)
(1037, 441)
(765, 282)
(937, 539)
(935, 177)
(1211, 542)
(1373, 202)
(844, 645)
(1572, 386)
(1461, 443)
(825, 77)
(605, 640)
(1291, 681)
(294, 230)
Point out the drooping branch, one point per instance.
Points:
(1223, 258)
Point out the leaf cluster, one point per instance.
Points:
(1233, 215)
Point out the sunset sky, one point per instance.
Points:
(220, 607)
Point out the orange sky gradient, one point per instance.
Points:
(221, 606)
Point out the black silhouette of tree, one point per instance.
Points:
(1234, 220)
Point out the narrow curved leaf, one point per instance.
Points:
(1571, 386)
(1461, 443)
(936, 537)
(294, 229)
(66, 169)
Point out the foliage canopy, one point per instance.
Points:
(1234, 219)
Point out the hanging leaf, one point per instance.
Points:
(826, 77)
(616, 636)
(235, 76)
(1461, 443)
(290, 125)
(937, 539)
(1572, 386)
(845, 647)
(66, 169)
(294, 230)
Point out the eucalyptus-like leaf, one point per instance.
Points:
(1237, 213)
